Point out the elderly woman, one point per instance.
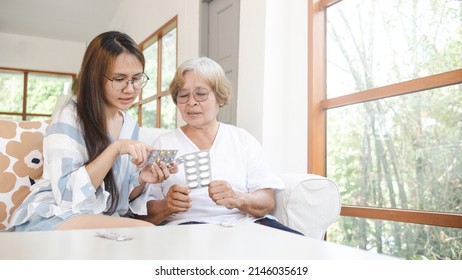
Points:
(242, 186)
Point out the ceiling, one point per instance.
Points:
(69, 20)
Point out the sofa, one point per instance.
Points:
(310, 203)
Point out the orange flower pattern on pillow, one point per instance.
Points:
(7, 179)
(18, 197)
(8, 129)
(21, 160)
(29, 154)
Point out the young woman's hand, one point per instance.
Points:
(137, 150)
(156, 173)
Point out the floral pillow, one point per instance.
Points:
(21, 163)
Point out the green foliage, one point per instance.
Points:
(168, 68)
(11, 91)
(42, 91)
(401, 152)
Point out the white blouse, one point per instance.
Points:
(235, 157)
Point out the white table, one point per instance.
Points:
(188, 242)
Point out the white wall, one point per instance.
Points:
(272, 103)
(273, 73)
(35, 53)
(153, 15)
(150, 15)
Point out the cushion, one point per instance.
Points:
(148, 134)
(21, 163)
(310, 203)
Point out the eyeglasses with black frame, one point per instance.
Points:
(200, 95)
(138, 82)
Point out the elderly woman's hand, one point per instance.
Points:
(178, 199)
(222, 193)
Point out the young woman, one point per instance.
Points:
(93, 164)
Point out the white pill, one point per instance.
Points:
(202, 154)
(191, 170)
(190, 157)
(192, 177)
(190, 163)
(203, 167)
(205, 182)
(193, 184)
(205, 175)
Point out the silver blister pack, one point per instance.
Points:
(197, 168)
(114, 236)
(158, 156)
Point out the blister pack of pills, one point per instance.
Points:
(114, 236)
(197, 168)
(158, 156)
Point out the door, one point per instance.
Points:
(221, 38)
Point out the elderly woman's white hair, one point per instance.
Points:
(209, 70)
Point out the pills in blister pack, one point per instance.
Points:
(158, 156)
(197, 169)
(114, 236)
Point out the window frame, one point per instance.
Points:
(318, 104)
(24, 114)
(150, 40)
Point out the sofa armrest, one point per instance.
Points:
(310, 203)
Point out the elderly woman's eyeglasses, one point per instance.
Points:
(138, 82)
(200, 95)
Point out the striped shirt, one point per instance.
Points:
(66, 187)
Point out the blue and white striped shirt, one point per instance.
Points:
(66, 187)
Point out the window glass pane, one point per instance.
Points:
(133, 112)
(11, 91)
(404, 240)
(400, 152)
(168, 58)
(149, 114)
(42, 91)
(150, 56)
(168, 114)
(371, 43)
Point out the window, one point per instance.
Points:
(31, 95)
(385, 122)
(155, 107)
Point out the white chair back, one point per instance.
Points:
(310, 203)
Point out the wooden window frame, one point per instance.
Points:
(26, 73)
(157, 37)
(318, 104)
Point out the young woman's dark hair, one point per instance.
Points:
(98, 59)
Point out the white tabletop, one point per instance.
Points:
(186, 242)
